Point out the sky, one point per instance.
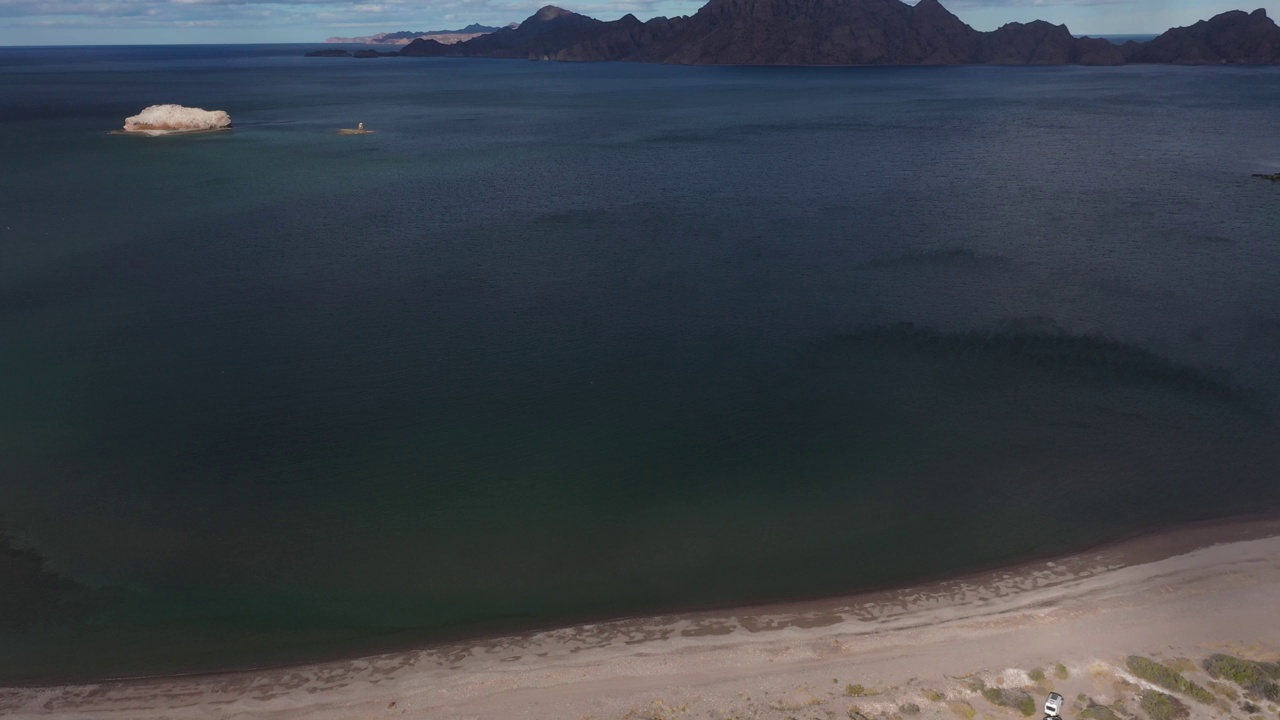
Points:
(115, 22)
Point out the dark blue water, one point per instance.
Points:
(575, 341)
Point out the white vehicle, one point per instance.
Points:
(1052, 705)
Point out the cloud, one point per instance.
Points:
(287, 16)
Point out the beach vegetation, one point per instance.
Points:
(934, 696)
(1099, 712)
(1257, 679)
(1249, 708)
(1167, 678)
(794, 705)
(1019, 700)
(1036, 675)
(975, 684)
(1060, 671)
(1162, 706)
(909, 709)
(855, 690)
(1223, 689)
(962, 709)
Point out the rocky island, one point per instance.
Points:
(851, 32)
(169, 119)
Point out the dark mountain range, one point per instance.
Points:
(851, 32)
(1232, 37)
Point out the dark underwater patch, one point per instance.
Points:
(1088, 358)
(32, 593)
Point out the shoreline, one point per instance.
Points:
(595, 661)
(1131, 549)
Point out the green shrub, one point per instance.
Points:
(1036, 675)
(934, 696)
(1159, 706)
(962, 709)
(909, 709)
(1099, 712)
(1253, 677)
(1167, 678)
(1019, 700)
(855, 690)
(1060, 671)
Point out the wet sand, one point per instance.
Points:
(1181, 593)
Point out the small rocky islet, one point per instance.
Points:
(169, 119)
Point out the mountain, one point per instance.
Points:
(404, 37)
(850, 32)
(818, 32)
(1232, 37)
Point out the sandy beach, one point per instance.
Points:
(1066, 624)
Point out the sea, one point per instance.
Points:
(560, 343)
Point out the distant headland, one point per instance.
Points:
(404, 37)
(846, 32)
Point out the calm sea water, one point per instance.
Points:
(576, 341)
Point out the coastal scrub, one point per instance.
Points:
(1167, 678)
(1099, 712)
(1019, 700)
(1162, 706)
(1256, 678)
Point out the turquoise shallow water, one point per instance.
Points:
(574, 341)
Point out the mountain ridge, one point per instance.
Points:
(404, 37)
(851, 32)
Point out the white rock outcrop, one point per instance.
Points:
(165, 119)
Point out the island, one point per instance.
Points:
(169, 119)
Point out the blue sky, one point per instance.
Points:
(80, 22)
